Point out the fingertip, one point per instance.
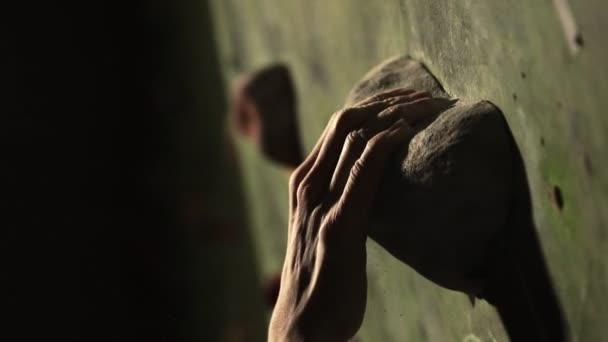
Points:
(423, 101)
(442, 103)
(407, 90)
(421, 94)
(399, 130)
(399, 124)
(405, 130)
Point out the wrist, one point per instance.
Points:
(281, 331)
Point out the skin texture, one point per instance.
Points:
(323, 282)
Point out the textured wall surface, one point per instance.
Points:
(542, 62)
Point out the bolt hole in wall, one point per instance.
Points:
(578, 40)
(558, 198)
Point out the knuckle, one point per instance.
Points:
(400, 107)
(355, 137)
(303, 193)
(375, 98)
(355, 171)
(401, 98)
(352, 137)
(293, 201)
(394, 100)
(328, 235)
(332, 118)
(324, 236)
(377, 141)
(294, 179)
(392, 110)
(316, 215)
(344, 119)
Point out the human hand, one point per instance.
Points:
(323, 283)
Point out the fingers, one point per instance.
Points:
(388, 98)
(301, 171)
(385, 95)
(379, 106)
(357, 140)
(365, 175)
(316, 182)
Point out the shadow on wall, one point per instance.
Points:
(519, 285)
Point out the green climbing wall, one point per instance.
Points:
(542, 62)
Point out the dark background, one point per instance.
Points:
(113, 138)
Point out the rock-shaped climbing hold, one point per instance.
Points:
(445, 196)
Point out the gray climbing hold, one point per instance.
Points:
(445, 195)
